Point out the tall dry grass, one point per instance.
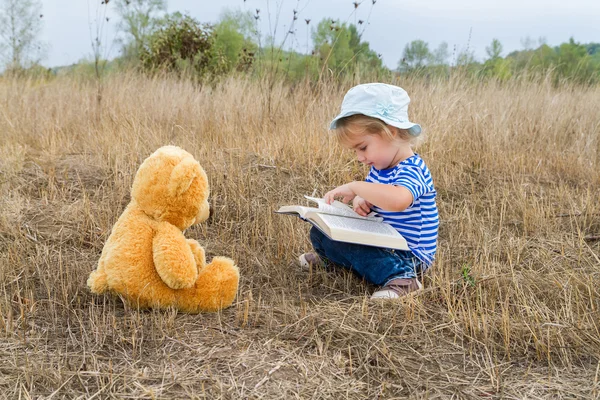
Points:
(510, 308)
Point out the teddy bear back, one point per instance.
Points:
(170, 185)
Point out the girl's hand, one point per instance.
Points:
(344, 193)
(361, 206)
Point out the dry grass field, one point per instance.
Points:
(511, 308)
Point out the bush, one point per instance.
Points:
(182, 45)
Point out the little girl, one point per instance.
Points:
(374, 123)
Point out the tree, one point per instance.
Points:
(138, 20)
(341, 48)
(363, 54)
(416, 55)
(465, 57)
(593, 48)
(574, 62)
(332, 43)
(539, 60)
(20, 26)
(528, 43)
(494, 50)
(234, 39)
(496, 66)
(441, 54)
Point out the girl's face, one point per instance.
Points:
(376, 150)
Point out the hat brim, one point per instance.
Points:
(411, 127)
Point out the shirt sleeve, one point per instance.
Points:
(413, 180)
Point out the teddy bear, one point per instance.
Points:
(147, 260)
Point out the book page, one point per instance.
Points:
(339, 208)
(300, 210)
(359, 225)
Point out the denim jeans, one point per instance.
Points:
(375, 264)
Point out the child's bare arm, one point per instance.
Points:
(386, 197)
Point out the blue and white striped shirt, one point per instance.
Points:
(419, 222)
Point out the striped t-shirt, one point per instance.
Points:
(419, 222)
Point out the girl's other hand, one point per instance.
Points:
(343, 193)
(361, 206)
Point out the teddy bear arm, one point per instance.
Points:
(173, 258)
(199, 254)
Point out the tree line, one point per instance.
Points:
(153, 40)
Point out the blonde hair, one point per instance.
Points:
(357, 125)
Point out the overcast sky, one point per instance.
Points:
(389, 26)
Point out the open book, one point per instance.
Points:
(339, 222)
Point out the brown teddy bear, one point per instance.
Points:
(147, 259)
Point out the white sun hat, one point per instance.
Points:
(388, 103)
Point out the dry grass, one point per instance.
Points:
(517, 173)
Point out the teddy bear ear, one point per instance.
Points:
(182, 176)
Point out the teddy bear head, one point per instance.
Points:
(171, 186)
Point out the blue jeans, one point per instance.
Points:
(375, 264)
